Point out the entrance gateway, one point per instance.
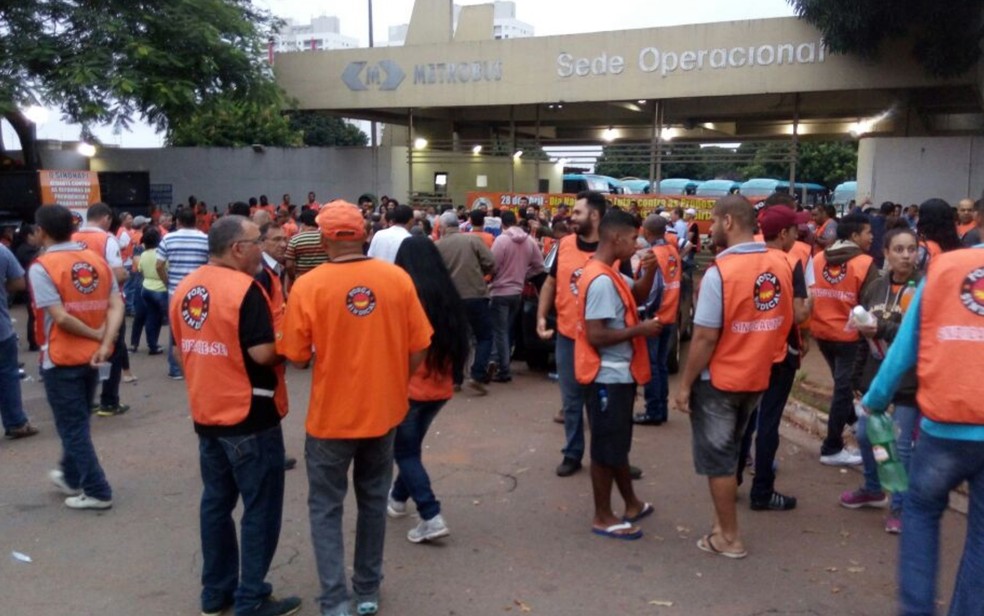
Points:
(462, 106)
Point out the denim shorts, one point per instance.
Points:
(611, 423)
(718, 420)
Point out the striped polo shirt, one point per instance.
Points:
(184, 250)
(306, 251)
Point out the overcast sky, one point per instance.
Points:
(548, 17)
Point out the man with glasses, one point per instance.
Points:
(224, 335)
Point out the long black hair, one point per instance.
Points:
(936, 223)
(442, 303)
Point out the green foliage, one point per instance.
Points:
(323, 130)
(827, 162)
(225, 122)
(945, 36)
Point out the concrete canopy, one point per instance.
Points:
(720, 81)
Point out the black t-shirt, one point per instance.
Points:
(971, 238)
(255, 328)
(800, 292)
(625, 267)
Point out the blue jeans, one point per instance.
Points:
(938, 466)
(11, 404)
(413, 481)
(131, 291)
(154, 305)
(657, 390)
(504, 311)
(572, 398)
(905, 418)
(139, 318)
(70, 390)
(328, 462)
(840, 359)
(251, 466)
(480, 321)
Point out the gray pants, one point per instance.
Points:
(328, 462)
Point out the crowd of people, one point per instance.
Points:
(352, 290)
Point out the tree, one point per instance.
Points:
(107, 61)
(324, 130)
(946, 36)
(230, 123)
(827, 162)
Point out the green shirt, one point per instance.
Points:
(148, 267)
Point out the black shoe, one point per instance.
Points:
(502, 379)
(776, 502)
(277, 607)
(289, 463)
(155, 352)
(491, 369)
(33, 348)
(635, 472)
(641, 419)
(134, 348)
(568, 467)
(111, 411)
(217, 610)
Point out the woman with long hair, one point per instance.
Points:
(887, 299)
(431, 386)
(937, 231)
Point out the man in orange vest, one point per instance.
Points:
(611, 358)
(657, 391)
(743, 316)
(840, 275)
(779, 223)
(565, 266)
(363, 317)
(79, 313)
(224, 337)
(826, 232)
(942, 334)
(965, 217)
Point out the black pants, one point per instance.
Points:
(764, 424)
(120, 360)
(840, 357)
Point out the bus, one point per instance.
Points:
(718, 188)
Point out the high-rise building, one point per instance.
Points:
(505, 25)
(322, 33)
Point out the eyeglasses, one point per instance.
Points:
(255, 242)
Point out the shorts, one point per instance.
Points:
(718, 420)
(611, 427)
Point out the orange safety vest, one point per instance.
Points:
(836, 291)
(570, 267)
(92, 239)
(928, 250)
(817, 248)
(548, 243)
(126, 254)
(488, 238)
(587, 360)
(668, 258)
(951, 338)
(204, 316)
(802, 252)
(962, 230)
(757, 296)
(277, 301)
(84, 284)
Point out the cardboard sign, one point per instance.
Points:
(76, 190)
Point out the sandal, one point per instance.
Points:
(623, 530)
(705, 544)
(646, 511)
(130, 379)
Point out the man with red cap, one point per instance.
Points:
(359, 318)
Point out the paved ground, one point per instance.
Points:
(520, 538)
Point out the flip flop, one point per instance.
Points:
(613, 531)
(647, 510)
(130, 379)
(705, 544)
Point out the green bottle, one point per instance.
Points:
(881, 434)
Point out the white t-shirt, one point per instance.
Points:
(386, 243)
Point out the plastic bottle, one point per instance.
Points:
(881, 434)
(907, 295)
(863, 318)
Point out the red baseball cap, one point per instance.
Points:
(341, 220)
(774, 219)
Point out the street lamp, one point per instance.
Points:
(87, 149)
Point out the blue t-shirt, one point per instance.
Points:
(10, 270)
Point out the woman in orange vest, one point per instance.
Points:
(611, 358)
(430, 386)
(937, 233)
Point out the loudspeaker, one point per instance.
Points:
(20, 195)
(126, 191)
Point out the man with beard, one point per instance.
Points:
(565, 265)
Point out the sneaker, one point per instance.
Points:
(395, 508)
(428, 530)
(641, 419)
(776, 502)
(501, 379)
(87, 502)
(568, 467)
(134, 349)
(155, 352)
(635, 473)
(176, 377)
(857, 499)
(218, 609)
(893, 523)
(110, 411)
(491, 370)
(365, 605)
(290, 463)
(277, 607)
(844, 457)
(57, 477)
(22, 432)
(478, 387)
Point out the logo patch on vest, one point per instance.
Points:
(972, 292)
(361, 301)
(834, 273)
(575, 276)
(767, 292)
(194, 307)
(85, 278)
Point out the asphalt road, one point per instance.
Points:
(520, 536)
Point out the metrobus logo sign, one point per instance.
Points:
(384, 75)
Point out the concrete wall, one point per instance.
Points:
(503, 174)
(912, 169)
(218, 176)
